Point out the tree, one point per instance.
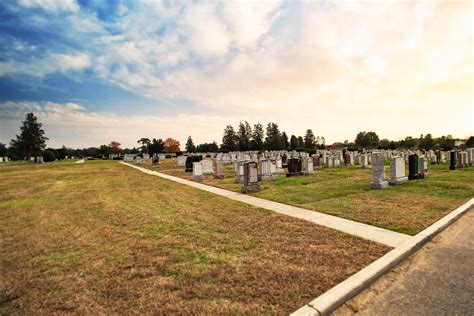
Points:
(190, 148)
(54, 151)
(171, 145)
(367, 140)
(208, 148)
(426, 142)
(48, 155)
(408, 142)
(145, 143)
(104, 150)
(115, 146)
(293, 142)
(469, 142)
(257, 137)
(300, 142)
(229, 140)
(284, 140)
(244, 136)
(273, 139)
(157, 146)
(384, 144)
(309, 139)
(31, 140)
(3, 150)
(446, 142)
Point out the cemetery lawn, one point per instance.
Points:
(345, 192)
(100, 237)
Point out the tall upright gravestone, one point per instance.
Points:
(250, 178)
(378, 172)
(452, 160)
(413, 167)
(397, 171)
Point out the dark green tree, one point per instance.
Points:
(229, 140)
(258, 136)
(207, 148)
(31, 140)
(446, 142)
(426, 142)
(104, 150)
(367, 140)
(54, 151)
(408, 142)
(300, 142)
(145, 143)
(157, 146)
(273, 139)
(190, 148)
(3, 150)
(284, 140)
(244, 136)
(293, 142)
(309, 139)
(469, 142)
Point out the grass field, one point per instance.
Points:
(345, 192)
(101, 237)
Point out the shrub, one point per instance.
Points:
(48, 156)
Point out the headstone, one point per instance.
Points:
(181, 161)
(197, 171)
(146, 157)
(460, 162)
(308, 166)
(378, 172)
(138, 160)
(250, 178)
(294, 167)
(1, 159)
(265, 170)
(207, 167)
(452, 160)
(219, 170)
(40, 160)
(397, 171)
(316, 162)
(413, 167)
(155, 161)
(239, 170)
(128, 157)
(189, 162)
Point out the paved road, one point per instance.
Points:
(437, 280)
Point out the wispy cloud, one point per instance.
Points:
(356, 65)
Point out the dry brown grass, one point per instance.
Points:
(103, 238)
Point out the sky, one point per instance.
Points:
(98, 71)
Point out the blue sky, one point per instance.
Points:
(97, 71)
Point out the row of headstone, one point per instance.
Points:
(417, 169)
(3, 159)
(461, 159)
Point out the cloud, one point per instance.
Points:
(51, 5)
(39, 67)
(336, 67)
(71, 124)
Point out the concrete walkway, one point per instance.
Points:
(380, 235)
(436, 280)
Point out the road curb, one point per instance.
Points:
(339, 294)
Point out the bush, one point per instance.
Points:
(48, 156)
(54, 151)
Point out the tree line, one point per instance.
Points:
(258, 138)
(32, 142)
